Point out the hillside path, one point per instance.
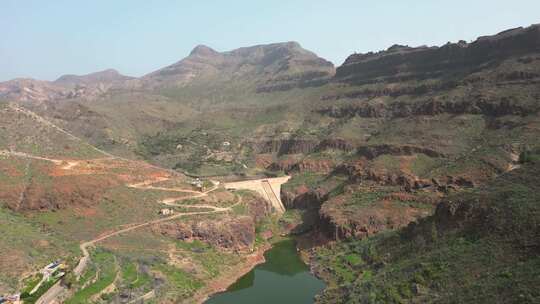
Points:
(58, 291)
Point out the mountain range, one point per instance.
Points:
(413, 173)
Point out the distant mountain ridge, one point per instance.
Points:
(373, 149)
(106, 76)
(404, 62)
(271, 65)
(277, 66)
(65, 87)
(284, 66)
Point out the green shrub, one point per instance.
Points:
(530, 156)
(354, 259)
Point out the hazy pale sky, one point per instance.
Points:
(45, 39)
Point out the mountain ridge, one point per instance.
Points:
(285, 65)
(271, 62)
(373, 151)
(274, 66)
(403, 62)
(108, 75)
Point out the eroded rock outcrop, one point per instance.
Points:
(287, 146)
(358, 172)
(303, 198)
(371, 152)
(311, 165)
(227, 233)
(400, 63)
(476, 104)
(339, 224)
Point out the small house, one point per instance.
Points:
(197, 183)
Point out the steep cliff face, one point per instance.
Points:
(403, 63)
(311, 165)
(300, 146)
(304, 198)
(475, 104)
(285, 146)
(374, 151)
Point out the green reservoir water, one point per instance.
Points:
(282, 279)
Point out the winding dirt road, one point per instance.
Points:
(55, 293)
(58, 291)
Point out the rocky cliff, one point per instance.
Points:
(400, 63)
(284, 146)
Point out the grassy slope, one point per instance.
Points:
(107, 272)
(22, 133)
(485, 253)
(25, 246)
(154, 124)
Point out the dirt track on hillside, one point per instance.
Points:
(58, 291)
(54, 294)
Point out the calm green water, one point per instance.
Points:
(282, 279)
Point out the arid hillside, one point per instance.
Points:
(112, 221)
(378, 150)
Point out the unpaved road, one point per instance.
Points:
(54, 294)
(57, 291)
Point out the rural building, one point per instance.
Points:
(197, 183)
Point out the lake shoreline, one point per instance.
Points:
(283, 270)
(223, 282)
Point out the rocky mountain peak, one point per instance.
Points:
(203, 51)
(273, 66)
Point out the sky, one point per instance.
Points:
(46, 39)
